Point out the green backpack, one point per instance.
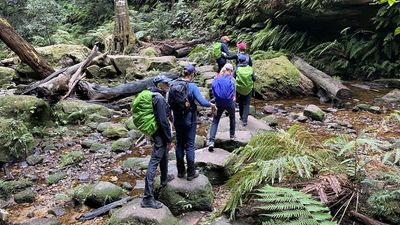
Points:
(217, 49)
(143, 114)
(244, 80)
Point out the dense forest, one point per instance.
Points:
(322, 144)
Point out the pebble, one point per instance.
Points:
(23, 165)
(140, 184)
(117, 171)
(57, 211)
(84, 177)
(127, 186)
(114, 179)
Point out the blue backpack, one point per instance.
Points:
(223, 88)
(243, 55)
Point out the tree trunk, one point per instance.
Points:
(23, 49)
(96, 92)
(182, 52)
(123, 36)
(333, 88)
(365, 219)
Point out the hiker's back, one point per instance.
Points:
(143, 115)
(178, 97)
(223, 90)
(244, 79)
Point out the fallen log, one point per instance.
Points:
(182, 52)
(103, 210)
(334, 89)
(168, 48)
(95, 92)
(365, 219)
(24, 50)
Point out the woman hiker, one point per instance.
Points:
(223, 88)
(183, 95)
(241, 51)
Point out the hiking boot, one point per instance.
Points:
(211, 147)
(180, 165)
(233, 138)
(181, 175)
(170, 177)
(244, 124)
(195, 175)
(151, 204)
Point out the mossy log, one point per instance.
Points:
(333, 88)
(365, 219)
(24, 50)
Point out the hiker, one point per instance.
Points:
(221, 51)
(241, 51)
(150, 113)
(223, 88)
(182, 97)
(245, 78)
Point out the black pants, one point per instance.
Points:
(158, 156)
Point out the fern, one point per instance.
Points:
(287, 206)
(385, 204)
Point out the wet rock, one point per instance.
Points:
(368, 108)
(34, 159)
(271, 120)
(136, 163)
(223, 140)
(302, 119)
(26, 196)
(117, 171)
(375, 109)
(56, 177)
(84, 177)
(16, 144)
(104, 193)
(314, 112)
(93, 71)
(6, 76)
(209, 75)
(31, 177)
(278, 77)
(23, 165)
(191, 218)
(77, 111)
(133, 213)
(87, 143)
(213, 164)
(181, 195)
(269, 109)
(29, 109)
(127, 186)
(41, 221)
(134, 134)
(97, 147)
(121, 145)
(115, 130)
(97, 118)
(57, 211)
(200, 141)
(392, 98)
(129, 123)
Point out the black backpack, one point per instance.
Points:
(178, 97)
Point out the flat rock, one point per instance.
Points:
(41, 221)
(223, 140)
(133, 213)
(191, 218)
(213, 164)
(181, 195)
(314, 112)
(204, 69)
(254, 126)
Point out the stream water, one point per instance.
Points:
(45, 198)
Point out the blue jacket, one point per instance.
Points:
(225, 84)
(224, 48)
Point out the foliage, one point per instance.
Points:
(56, 177)
(18, 140)
(385, 204)
(329, 183)
(71, 158)
(269, 157)
(10, 187)
(286, 206)
(202, 54)
(269, 54)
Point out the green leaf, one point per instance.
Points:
(397, 31)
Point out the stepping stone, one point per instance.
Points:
(181, 195)
(203, 69)
(213, 164)
(133, 213)
(223, 140)
(41, 221)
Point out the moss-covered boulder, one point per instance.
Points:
(54, 54)
(108, 72)
(56, 177)
(133, 213)
(213, 165)
(121, 145)
(76, 111)
(29, 109)
(93, 71)
(164, 63)
(6, 76)
(182, 196)
(25, 196)
(34, 159)
(15, 140)
(136, 163)
(123, 62)
(104, 193)
(97, 147)
(278, 77)
(115, 130)
(148, 52)
(314, 112)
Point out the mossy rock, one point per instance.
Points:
(26, 196)
(96, 118)
(96, 147)
(148, 52)
(182, 196)
(42, 221)
(81, 192)
(29, 109)
(104, 193)
(314, 112)
(133, 213)
(54, 54)
(136, 163)
(121, 144)
(34, 159)
(115, 130)
(26, 71)
(123, 62)
(276, 77)
(55, 178)
(129, 123)
(10, 187)
(71, 158)
(93, 71)
(163, 64)
(76, 111)
(7, 75)
(108, 72)
(15, 140)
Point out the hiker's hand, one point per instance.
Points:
(224, 54)
(213, 108)
(234, 98)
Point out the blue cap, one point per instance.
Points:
(242, 58)
(161, 79)
(190, 68)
